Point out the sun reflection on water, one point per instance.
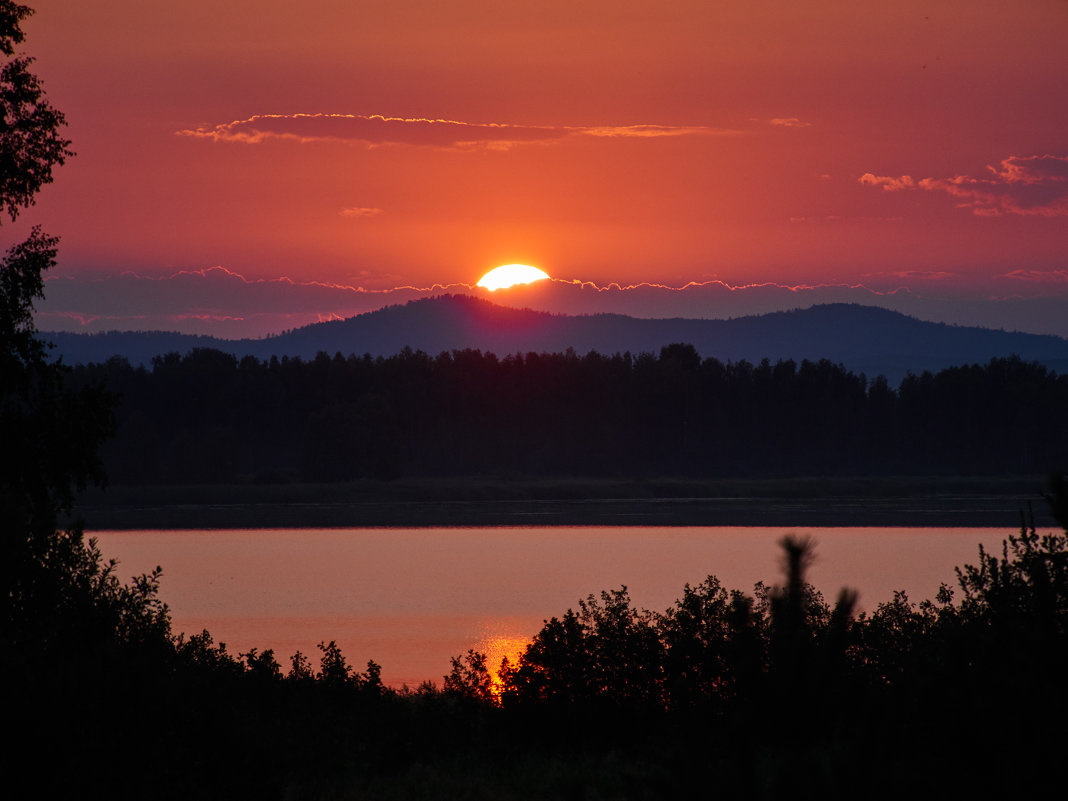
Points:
(499, 645)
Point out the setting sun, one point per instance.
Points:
(511, 274)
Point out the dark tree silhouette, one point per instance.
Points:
(68, 626)
(206, 418)
(470, 678)
(30, 140)
(51, 434)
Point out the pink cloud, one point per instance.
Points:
(360, 211)
(840, 218)
(378, 130)
(888, 183)
(649, 131)
(1045, 276)
(1034, 186)
(921, 275)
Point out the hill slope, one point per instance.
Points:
(863, 338)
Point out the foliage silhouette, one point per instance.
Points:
(792, 686)
(50, 580)
(470, 678)
(30, 140)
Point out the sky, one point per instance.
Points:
(245, 167)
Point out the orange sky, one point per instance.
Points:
(410, 143)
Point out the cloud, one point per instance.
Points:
(887, 183)
(841, 218)
(211, 291)
(914, 275)
(225, 303)
(360, 211)
(1043, 276)
(212, 300)
(376, 130)
(1032, 186)
(650, 131)
(790, 122)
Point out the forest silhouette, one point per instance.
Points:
(208, 418)
(768, 694)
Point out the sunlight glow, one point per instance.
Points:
(498, 648)
(511, 274)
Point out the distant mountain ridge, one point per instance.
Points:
(863, 338)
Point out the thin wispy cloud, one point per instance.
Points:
(888, 183)
(1034, 186)
(835, 218)
(917, 275)
(376, 130)
(790, 122)
(650, 131)
(1044, 276)
(356, 212)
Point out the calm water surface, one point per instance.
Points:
(412, 598)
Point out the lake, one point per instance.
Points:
(410, 598)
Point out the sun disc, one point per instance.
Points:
(509, 275)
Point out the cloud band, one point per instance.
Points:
(376, 130)
(1032, 186)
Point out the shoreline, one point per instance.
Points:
(995, 502)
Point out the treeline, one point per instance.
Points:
(207, 417)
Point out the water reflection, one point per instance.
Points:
(498, 644)
(412, 598)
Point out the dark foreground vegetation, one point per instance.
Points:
(771, 694)
(207, 418)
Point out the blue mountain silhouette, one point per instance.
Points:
(863, 338)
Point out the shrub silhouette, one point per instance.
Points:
(470, 678)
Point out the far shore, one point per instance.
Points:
(896, 501)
